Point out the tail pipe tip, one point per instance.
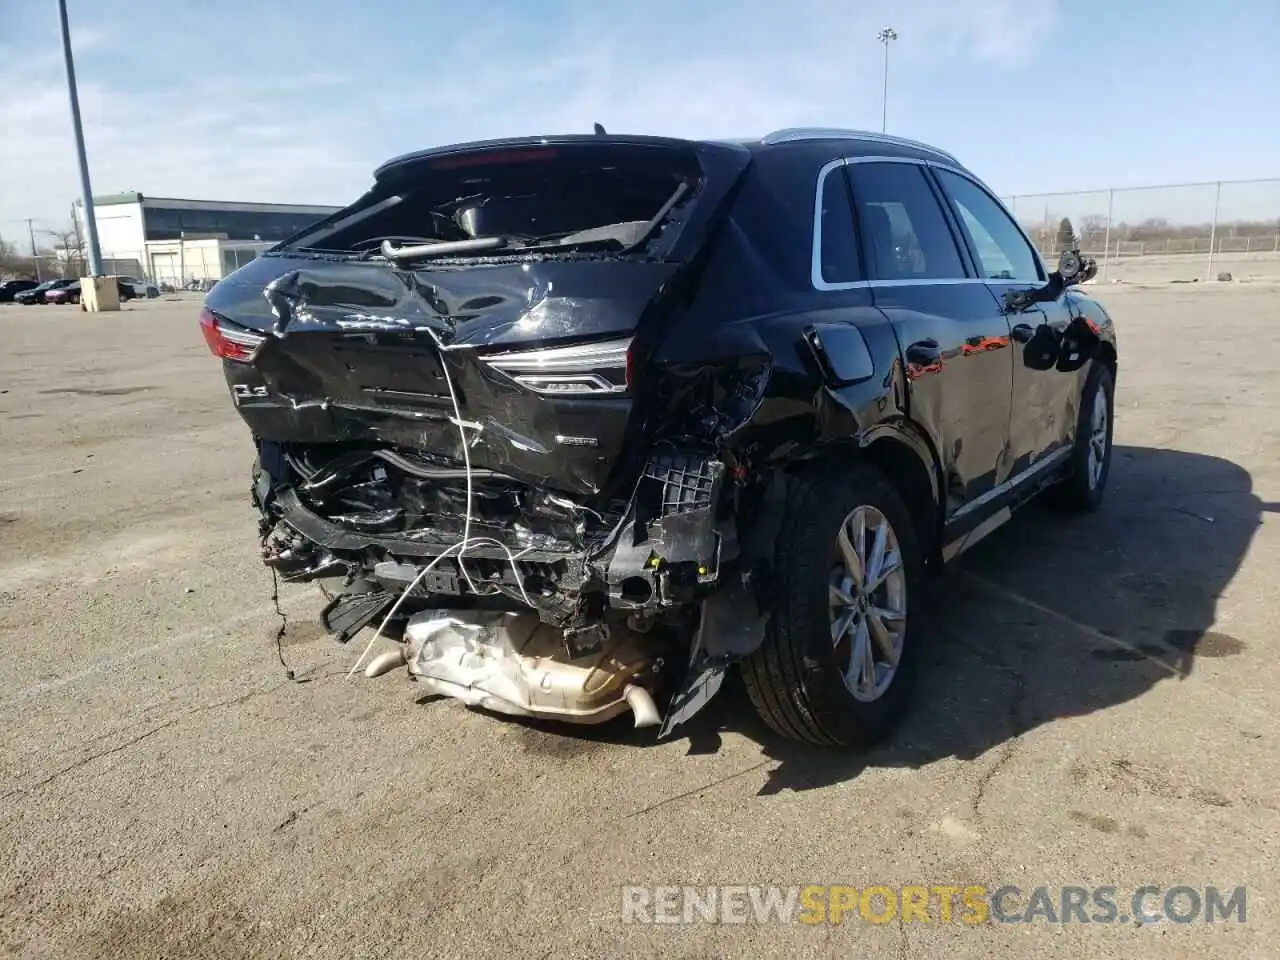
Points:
(386, 662)
(642, 706)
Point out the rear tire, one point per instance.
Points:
(826, 672)
(1090, 464)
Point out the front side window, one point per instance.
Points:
(1000, 246)
(904, 229)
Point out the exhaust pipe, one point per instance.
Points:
(386, 662)
(513, 663)
(642, 705)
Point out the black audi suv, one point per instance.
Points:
(583, 422)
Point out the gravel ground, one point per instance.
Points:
(1099, 705)
(1263, 266)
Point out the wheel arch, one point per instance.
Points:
(1107, 354)
(907, 458)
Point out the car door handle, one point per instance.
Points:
(1023, 332)
(924, 352)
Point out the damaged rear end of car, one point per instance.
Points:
(462, 431)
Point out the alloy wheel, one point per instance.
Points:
(867, 598)
(1098, 439)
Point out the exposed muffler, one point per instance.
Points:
(513, 663)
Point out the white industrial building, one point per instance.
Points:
(175, 241)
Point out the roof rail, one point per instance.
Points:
(791, 134)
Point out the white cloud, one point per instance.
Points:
(313, 135)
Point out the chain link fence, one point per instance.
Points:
(1186, 232)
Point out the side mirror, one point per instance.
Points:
(1069, 265)
(1073, 268)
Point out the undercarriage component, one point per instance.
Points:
(513, 663)
(670, 545)
(349, 613)
(359, 512)
(295, 557)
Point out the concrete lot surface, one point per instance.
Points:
(1187, 268)
(1099, 705)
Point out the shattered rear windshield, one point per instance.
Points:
(577, 198)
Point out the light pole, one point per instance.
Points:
(86, 192)
(35, 257)
(884, 36)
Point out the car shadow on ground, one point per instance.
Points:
(1052, 616)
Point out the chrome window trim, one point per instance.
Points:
(815, 271)
(917, 161)
(815, 266)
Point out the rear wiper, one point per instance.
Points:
(373, 245)
(418, 251)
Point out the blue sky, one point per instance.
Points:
(298, 100)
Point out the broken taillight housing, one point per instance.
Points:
(228, 340)
(583, 369)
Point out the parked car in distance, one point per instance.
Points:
(70, 293)
(11, 288)
(140, 288)
(37, 294)
(624, 413)
(126, 289)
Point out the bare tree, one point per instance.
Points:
(1092, 223)
(68, 248)
(13, 263)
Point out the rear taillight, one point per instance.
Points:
(226, 340)
(584, 369)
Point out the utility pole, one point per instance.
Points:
(86, 192)
(884, 36)
(1213, 227)
(35, 257)
(80, 258)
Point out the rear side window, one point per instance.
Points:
(1000, 247)
(837, 240)
(904, 230)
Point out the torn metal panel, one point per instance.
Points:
(491, 305)
(731, 626)
(356, 356)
